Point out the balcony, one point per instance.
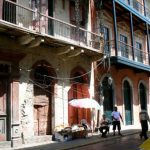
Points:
(139, 7)
(26, 19)
(125, 56)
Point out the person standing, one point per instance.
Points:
(116, 117)
(144, 119)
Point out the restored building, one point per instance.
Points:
(124, 79)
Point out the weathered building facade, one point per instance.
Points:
(46, 52)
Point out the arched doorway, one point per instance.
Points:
(78, 90)
(43, 91)
(108, 97)
(127, 102)
(142, 96)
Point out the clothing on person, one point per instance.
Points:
(144, 118)
(104, 126)
(116, 117)
(84, 123)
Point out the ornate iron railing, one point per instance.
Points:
(128, 52)
(138, 6)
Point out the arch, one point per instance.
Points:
(107, 90)
(79, 89)
(46, 65)
(79, 71)
(128, 100)
(44, 77)
(142, 95)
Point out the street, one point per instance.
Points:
(130, 142)
(125, 143)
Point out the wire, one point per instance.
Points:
(57, 78)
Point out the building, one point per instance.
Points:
(124, 79)
(46, 53)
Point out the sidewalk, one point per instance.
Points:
(94, 138)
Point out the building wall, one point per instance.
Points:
(119, 75)
(60, 100)
(134, 79)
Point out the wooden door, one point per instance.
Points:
(42, 112)
(3, 109)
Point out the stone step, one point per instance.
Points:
(38, 139)
(5, 144)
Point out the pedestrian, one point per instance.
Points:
(104, 125)
(144, 119)
(116, 116)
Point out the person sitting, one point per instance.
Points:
(104, 126)
(84, 124)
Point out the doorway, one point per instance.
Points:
(127, 102)
(108, 97)
(43, 87)
(142, 95)
(4, 113)
(78, 90)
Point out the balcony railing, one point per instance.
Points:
(127, 51)
(138, 7)
(33, 20)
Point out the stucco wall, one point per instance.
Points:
(60, 99)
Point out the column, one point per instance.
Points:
(148, 44)
(132, 36)
(115, 28)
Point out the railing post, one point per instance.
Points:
(39, 14)
(132, 36)
(115, 27)
(77, 15)
(144, 8)
(148, 44)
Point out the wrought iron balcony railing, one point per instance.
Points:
(26, 18)
(127, 51)
(145, 11)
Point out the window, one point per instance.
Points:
(123, 46)
(106, 40)
(139, 53)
